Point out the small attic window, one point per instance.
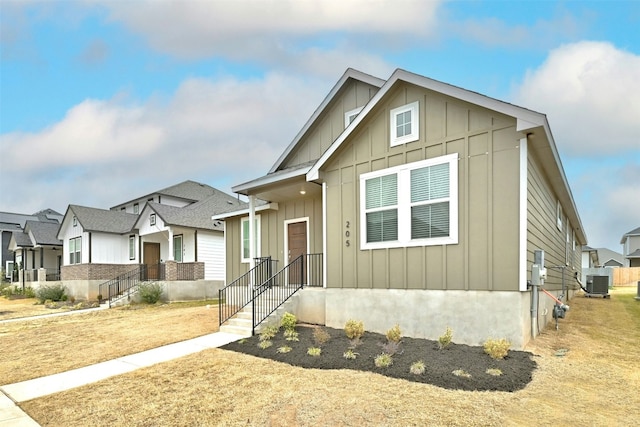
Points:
(152, 219)
(350, 116)
(75, 221)
(136, 208)
(404, 124)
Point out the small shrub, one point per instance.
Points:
(320, 336)
(150, 292)
(494, 372)
(354, 329)
(394, 334)
(497, 349)
(445, 340)
(269, 332)
(264, 344)
(350, 354)
(29, 292)
(391, 347)
(314, 351)
(417, 368)
(51, 292)
(284, 349)
(291, 335)
(242, 341)
(461, 373)
(72, 300)
(288, 321)
(99, 297)
(383, 360)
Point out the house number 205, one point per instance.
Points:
(347, 233)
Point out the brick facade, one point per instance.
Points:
(95, 271)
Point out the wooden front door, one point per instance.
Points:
(152, 260)
(297, 245)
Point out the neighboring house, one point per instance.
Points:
(172, 238)
(631, 247)
(426, 202)
(37, 251)
(601, 257)
(16, 222)
(590, 257)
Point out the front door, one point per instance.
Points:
(152, 260)
(297, 245)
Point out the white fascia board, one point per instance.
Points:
(349, 74)
(243, 212)
(269, 179)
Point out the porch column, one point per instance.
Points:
(170, 256)
(252, 231)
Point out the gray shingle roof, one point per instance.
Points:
(44, 233)
(107, 221)
(22, 239)
(191, 191)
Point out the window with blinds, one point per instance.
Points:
(410, 205)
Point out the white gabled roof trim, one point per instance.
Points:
(270, 179)
(349, 74)
(242, 212)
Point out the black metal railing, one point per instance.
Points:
(237, 294)
(53, 275)
(273, 292)
(314, 270)
(126, 284)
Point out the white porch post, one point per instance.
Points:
(252, 232)
(170, 256)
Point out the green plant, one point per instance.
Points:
(497, 348)
(150, 292)
(99, 297)
(461, 373)
(494, 372)
(51, 292)
(394, 334)
(264, 344)
(314, 351)
(269, 332)
(445, 340)
(288, 321)
(417, 368)
(291, 335)
(383, 360)
(29, 292)
(320, 336)
(72, 300)
(284, 349)
(354, 330)
(350, 354)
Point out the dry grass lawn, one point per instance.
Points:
(595, 383)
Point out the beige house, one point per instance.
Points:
(424, 202)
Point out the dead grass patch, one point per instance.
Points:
(594, 383)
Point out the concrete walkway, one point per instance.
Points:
(12, 415)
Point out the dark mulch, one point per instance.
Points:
(517, 368)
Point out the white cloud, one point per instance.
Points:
(220, 132)
(591, 95)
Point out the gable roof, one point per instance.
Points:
(634, 254)
(106, 221)
(348, 75)
(44, 233)
(12, 221)
(191, 191)
(634, 232)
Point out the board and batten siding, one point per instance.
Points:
(322, 134)
(211, 251)
(542, 231)
(487, 144)
(272, 233)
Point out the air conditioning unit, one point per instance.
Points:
(598, 285)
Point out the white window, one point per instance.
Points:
(350, 116)
(559, 215)
(9, 269)
(75, 250)
(152, 219)
(177, 248)
(405, 124)
(244, 231)
(132, 247)
(136, 208)
(415, 204)
(75, 221)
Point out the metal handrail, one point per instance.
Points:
(277, 289)
(123, 285)
(236, 295)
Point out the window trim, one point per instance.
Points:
(175, 237)
(152, 219)
(404, 205)
(75, 256)
(75, 221)
(244, 220)
(349, 114)
(559, 215)
(132, 247)
(394, 140)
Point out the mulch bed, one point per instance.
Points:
(517, 368)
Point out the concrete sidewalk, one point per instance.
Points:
(12, 415)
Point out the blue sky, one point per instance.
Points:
(103, 101)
